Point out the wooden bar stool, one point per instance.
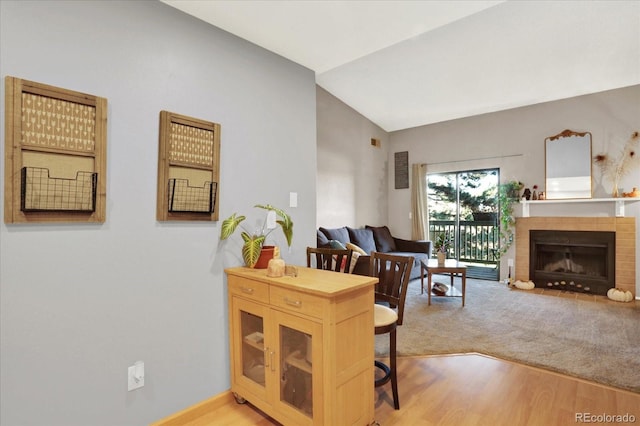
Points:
(393, 274)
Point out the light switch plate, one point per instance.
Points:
(135, 376)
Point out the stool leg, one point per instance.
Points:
(394, 370)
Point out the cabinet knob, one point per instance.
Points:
(247, 290)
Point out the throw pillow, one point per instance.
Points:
(356, 249)
(352, 266)
(340, 234)
(354, 259)
(343, 264)
(384, 241)
(335, 244)
(363, 238)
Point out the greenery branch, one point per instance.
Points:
(508, 194)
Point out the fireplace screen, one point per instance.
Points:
(578, 261)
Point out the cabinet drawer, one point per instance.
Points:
(254, 290)
(296, 301)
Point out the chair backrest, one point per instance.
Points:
(329, 259)
(393, 273)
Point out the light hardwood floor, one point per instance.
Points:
(470, 389)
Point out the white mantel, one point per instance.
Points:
(617, 203)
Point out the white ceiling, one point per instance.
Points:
(404, 64)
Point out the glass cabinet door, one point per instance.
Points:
(253, 349)
(252, 360)
(296, 388)
(299, 367)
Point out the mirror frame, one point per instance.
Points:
(579, 182)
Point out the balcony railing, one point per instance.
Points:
(478, 240)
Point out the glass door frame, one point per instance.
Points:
(480, 234)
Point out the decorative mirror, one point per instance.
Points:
(568, 165)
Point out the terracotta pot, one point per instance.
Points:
(266, 254)
(441, 258)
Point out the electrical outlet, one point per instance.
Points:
(135, 377)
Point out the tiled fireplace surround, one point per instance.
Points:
(624, 227)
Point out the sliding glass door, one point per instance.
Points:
(464, 206)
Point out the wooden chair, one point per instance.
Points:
(393, 274)
(329, 259)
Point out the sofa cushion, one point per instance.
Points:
(321, 239)
(382, 236)
(340, 234)
(416, 269)
(363, 238)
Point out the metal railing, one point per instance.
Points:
(478, 241)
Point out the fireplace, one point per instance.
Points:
(624, 229)
(579, 261)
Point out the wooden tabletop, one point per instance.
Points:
(316, 281)
(450, 265)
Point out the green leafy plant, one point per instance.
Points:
(508, 194)
(442, 243)
(253, 241)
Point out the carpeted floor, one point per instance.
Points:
(597, 341)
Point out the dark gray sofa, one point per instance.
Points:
(376, 238)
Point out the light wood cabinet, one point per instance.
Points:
(302, 348)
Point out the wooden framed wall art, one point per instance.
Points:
(55, 154)
(402, 169)
(188, 168)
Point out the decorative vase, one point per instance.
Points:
(266, 254)
(614, 191)
(275, 268)
(441, 258)
(526, 194)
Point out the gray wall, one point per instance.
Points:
(352, 174)
(80, 303)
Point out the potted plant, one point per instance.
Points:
(508, 194)
(442, 245)
(254, 241)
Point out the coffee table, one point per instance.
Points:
(451, 267)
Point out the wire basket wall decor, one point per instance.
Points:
(191, 199)
(40, 192)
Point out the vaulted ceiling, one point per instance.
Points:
(404, 64)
